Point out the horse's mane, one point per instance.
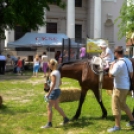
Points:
(73, 62)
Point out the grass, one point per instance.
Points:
(24, 109)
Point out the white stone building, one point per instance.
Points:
(80, 19)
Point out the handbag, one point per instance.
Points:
(131, 85)
(130, 79)
(47, 84)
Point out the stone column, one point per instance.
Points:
(7, 37)
(88, 18)
(43, 28)
(97, 18)
(71, 18)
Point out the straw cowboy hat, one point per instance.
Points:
(103, 44)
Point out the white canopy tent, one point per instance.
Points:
(40, 42)
(40, 39)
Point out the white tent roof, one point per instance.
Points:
(39, 39)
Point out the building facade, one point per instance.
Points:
(80, 19)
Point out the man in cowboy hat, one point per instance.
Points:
(107, 55)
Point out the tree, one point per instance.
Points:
(126, 19)
(29, 14)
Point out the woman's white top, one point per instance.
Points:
(44, 58)
(36, 62)
(56, 73)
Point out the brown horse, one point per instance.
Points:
(81, 71)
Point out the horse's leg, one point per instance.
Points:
(104, 111)
(82, 98)
(133, 112)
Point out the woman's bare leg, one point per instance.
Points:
(56, 106)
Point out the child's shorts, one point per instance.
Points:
(18, 69)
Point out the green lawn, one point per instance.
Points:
(24, 110)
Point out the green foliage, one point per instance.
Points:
(7, 17)
(27, 13)
(126, 19)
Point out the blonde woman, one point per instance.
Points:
(54, 93)
(36, 66)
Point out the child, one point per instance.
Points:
(107, 55)
(19, 65)
(36, 65)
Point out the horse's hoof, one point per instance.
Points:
(104, 117)
(74, 119)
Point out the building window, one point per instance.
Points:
(25, 49)
(19, 32)
(51, 27)
(30, 58)
(78, 3)
(78, 31)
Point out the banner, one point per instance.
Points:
(92, 45)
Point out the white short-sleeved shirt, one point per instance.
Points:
(44, 58)
(36, 63)
(110, 57)
(9, 61)
(120, 71)
(56, 73)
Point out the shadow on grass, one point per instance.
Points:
(3, 107)
(14, 77)
(14, 111)
(110, 118)
(86, 121)
(80, 123)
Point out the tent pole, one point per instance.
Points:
(69, 49)
(62, 49)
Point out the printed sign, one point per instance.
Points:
(92, 45)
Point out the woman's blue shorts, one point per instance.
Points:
(54, 94)
(36, 68)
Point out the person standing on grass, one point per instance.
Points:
(119, 70)
(36, 65)
(44, 63)
(82, 52)
(54, 93)
(19, 66)
(45, 66)
(13, 61)
(2, 64)
(40, 63)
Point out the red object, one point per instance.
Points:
(19, 63)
